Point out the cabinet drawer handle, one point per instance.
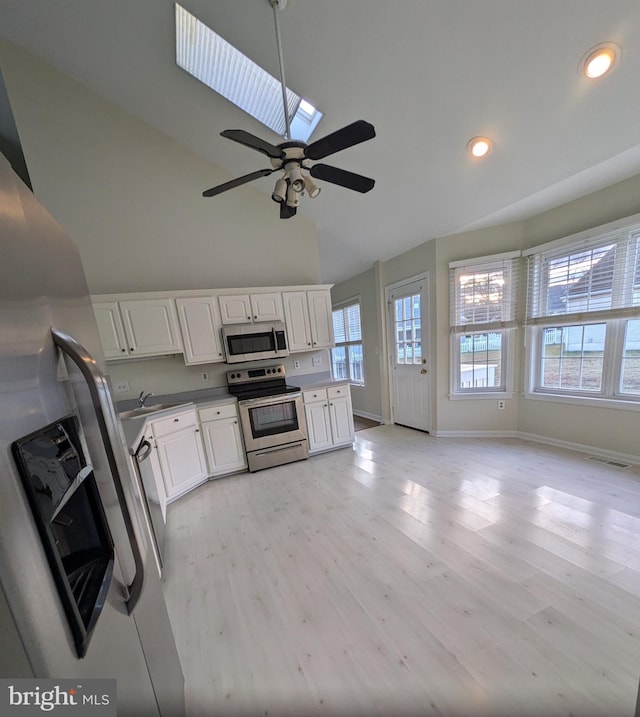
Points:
(197, 430)
(218, 413)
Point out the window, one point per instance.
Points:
(347, 358)
(483, 296)
(583, 297)
(219, 65)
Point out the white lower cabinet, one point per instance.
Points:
(180, 452)
(222, 438)
(329, 417)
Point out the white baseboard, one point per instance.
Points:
(475, 434)
(580, 447)
(570, 445)
(370, 416)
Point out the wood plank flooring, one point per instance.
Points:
(411, 576)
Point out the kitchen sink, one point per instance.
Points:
(146, 410)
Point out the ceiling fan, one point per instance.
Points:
(293, 158)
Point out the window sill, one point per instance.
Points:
(475, 396)
(617, 404)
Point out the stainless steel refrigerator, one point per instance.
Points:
(51, 366)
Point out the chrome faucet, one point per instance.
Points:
(142, 398)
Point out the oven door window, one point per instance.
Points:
(273, 419)
(247, 344)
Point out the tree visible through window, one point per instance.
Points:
(347, 358)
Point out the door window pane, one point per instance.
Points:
(407, 332)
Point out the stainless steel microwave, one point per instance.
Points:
(252, 342)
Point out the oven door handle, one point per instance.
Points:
(268, 400)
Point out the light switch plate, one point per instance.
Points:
(317, 361)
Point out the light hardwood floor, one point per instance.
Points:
(411, 576)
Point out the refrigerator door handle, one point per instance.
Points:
(103, 407)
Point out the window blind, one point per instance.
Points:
(483, 293)
(585, 281)
(346, 324)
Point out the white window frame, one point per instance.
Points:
(614, 319)
(506, 328)
(341, 306)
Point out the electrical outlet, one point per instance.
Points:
(316, 361)
(122, 387)
(205, 376)
(296, 364)
(500, 405)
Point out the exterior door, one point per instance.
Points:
(408, 331)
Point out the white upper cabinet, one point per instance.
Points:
(309, 319)
(111, 330)
(267, 307)
(320, 318)
(151, 327)
(250, 308)
(296, 316)
(235, 309)
(139, 327)
(200, 323)
(161, 323)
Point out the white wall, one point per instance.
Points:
(132, 200)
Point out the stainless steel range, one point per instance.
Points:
(271, 415)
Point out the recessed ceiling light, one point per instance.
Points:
(599, 60)
(479, 146)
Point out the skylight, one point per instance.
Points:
(219, 65)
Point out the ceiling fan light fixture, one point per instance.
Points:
(295, 177)
(312, 189)
(479, 147)
(280, 191)
(293, 197)
(599, 60)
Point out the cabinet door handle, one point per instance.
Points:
(176, 420)
(197, 430)
(124, 351)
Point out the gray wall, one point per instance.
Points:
(131, 197)
(609, 429)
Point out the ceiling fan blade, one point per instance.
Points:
(340, 176)
(253, 142)
(237, 182)
(359, 131)
(286, 212)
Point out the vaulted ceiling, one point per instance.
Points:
(428, 74)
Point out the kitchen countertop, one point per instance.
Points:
(133, 427)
